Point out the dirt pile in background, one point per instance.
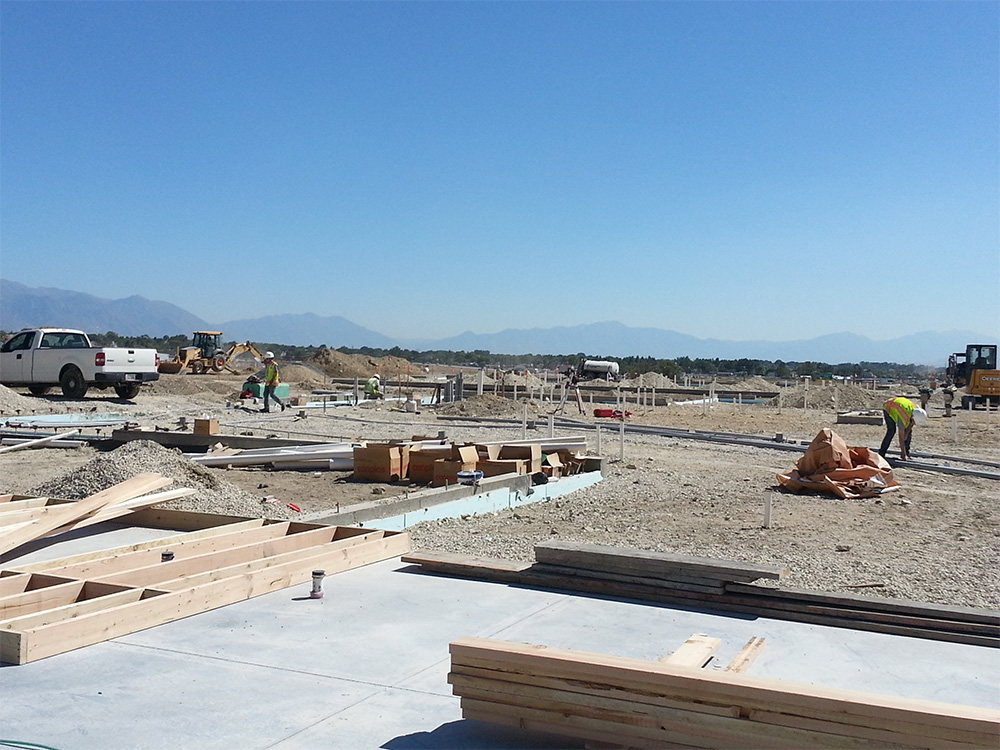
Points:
(755, 383)
(489, 405)
(336, 364)
(841, 397)
(650, 380)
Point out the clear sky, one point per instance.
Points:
(736, 170)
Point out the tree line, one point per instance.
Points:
(673, 368)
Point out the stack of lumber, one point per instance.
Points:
(719, 585)
(642, 704)
(660, 569)
(52, 607)
(26, 519)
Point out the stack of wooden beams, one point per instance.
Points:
(58, 606)
(720, 585)
(660, 569)
(642, 704)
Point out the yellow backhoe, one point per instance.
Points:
(207, 355)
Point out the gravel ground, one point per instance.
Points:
(936, 540)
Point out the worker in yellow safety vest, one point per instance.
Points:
(900, 414)
(272, 377)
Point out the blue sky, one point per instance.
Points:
(736, 170)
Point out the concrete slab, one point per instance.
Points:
(366, 666)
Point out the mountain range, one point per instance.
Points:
(23, 307)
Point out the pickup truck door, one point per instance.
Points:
(15, 358)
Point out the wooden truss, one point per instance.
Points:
(673, 703)
(53, 607)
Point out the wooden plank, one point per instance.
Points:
(451, 563)
(182, 545)
(597, 689)
(746, 690)
(874, 603)
(66, 563)
(943, 630)
(649, 564)
(747, 655)
(677, 581)
(180, 567)
(118, 493)
(64, 634)
(696, 651)
(17, 583)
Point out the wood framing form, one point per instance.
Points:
(49, 608)
(642, 704)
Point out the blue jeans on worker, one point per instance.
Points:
(890, 433)
(268, 395)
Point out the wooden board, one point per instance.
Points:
(544, 684)
(649, 564)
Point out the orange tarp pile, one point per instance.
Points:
(830, 466)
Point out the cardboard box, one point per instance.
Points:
(381, 462)
(505, 466)
(422, 460)
(464, 453)
(552, 466)
(446, 472)
(531, 453)
(206, 427)
(489, 452)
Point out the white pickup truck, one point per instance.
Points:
(41, 358)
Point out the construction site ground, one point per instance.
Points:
(935, 540)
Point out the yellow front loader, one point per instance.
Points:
(207, 355)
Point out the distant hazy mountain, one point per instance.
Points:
(22, 306)
(304, 330)
(613, 339)
(25, 307)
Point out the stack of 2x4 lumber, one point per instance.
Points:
(641, 704)
(699, 575)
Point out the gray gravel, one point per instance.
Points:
(141, 456)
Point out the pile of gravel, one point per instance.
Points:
(841, 397)
(142, 456)
(11, 402)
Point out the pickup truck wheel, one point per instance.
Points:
(39, 390)
(126, 390)
(72, 383)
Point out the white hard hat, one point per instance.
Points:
(268, 355)
(377, 376)
(919, 416)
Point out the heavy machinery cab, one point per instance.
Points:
(975, 357)
(976, 371)
(209, 342)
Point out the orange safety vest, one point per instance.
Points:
(900, 410)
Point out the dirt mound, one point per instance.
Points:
(194, 385)
(12, 402)
(755, 383)
(141, 456)
(489, 405)
(841, 397)
(295, 373)
(336, 364)
(650, 380)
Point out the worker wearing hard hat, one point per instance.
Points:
(373, 387)
(900, 414)
(272, 377)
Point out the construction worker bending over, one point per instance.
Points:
(272, 377)
(373, 387)
(900, 414)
